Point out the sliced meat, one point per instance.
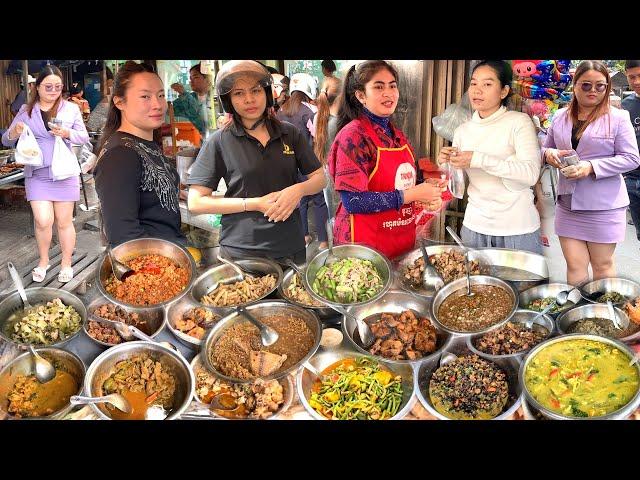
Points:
(264, 363)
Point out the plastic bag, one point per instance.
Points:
(453, 116)
(456, 180)
(87, 158)
(27, 150)
(64, 163)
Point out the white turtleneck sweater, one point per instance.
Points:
(504, 165)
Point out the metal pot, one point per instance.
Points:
(286, 382)
(102, 366)
(623, 286)
(458, 347)
(461, 283)
(23, 365)
(521, 316)
(394, 301)
(264, 308)
(380, 262)
(621, 413)
(323, 312)
(550, 290)
(39, 295)
(593, 310)
(178, 309)
(155, 319)
(534, 267)
(223, 273)
(305, 380)
(146, 246)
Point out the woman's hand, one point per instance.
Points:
(265, 202)
(287, 202)
(426, 192)
(60, 131)
(433, 206)
(552, 156)
(580, 170)
(17, 130)
(460, 159)
(445, 154)
(178, 87)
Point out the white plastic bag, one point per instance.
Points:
(64, 163)
(27, 150)
(87, 158)
(453, 116)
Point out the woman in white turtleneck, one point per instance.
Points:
(499, 151)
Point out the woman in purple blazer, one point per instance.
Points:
(50, 200)
(592, 196)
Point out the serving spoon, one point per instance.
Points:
(268, 336)
(431, 279)
(115, 399)
(119, 269)
(330, 258)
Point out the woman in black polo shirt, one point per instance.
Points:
(258, 157)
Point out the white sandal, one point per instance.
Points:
(65, 275)
(38, 274)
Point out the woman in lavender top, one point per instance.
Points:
(50, 200)
(592, 197)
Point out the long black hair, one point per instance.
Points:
(356, 79)
(503, 72)
(120, 86)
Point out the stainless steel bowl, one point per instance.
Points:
(102, 366)
(458, 347)
(305, 380)
(146, 246)
(461, 284)
(401, 264)
(286, 382)
(394, 301)
(621, 413)
(155, 319)
(551, 290)
(521, 316)
(380, 262)
(23, 365)
(593, 310)
(39, 295)
(264, 308)
(533, 267)
(323, 312)
(223, 273)
(178, 309)
(623, 286)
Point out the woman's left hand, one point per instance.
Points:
(580, 170)
(60, 132)
(287, 202)
(460, 159)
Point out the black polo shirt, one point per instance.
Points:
(251, 170)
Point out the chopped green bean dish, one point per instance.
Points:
(357, 390)
(349, 280)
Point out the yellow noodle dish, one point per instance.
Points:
(581, 378)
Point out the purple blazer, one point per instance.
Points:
(610, 145)
(71, 118)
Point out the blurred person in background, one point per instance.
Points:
(632, 105)
(195, 106)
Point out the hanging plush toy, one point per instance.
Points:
(524, 68)
(549, 75)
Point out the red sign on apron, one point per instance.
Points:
(391, 232)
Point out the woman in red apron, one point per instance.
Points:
(373, 166)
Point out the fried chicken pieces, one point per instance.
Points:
(403, 336)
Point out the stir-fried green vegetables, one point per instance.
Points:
(46, 324)
(349, 280)
(358, 390)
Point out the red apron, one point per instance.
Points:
(391, 232)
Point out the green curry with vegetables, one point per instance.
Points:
(581, 378)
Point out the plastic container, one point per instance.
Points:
(187, 131)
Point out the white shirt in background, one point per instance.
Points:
(505, 164)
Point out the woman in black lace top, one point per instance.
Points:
(137, 187)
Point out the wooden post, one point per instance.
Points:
(172, 123)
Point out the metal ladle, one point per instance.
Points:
(466, 258)
(268, 335)
(45, 371)
(364, 330)
(239, 273)
(612, 315)
(431, 279)
(119, 269)
(330, 258)
(115, 399)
